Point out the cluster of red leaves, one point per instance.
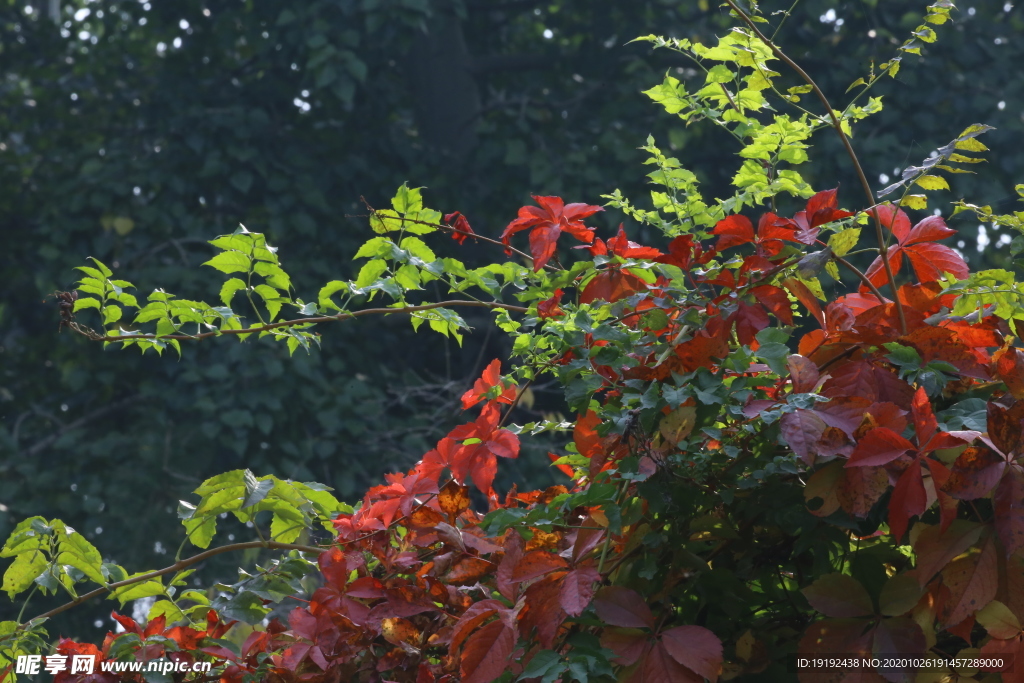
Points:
(180, 644)
(417, 592)
(417, 606)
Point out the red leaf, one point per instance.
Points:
(619, 606)
(931, 260)
(802, 429)
(548, 222)
(935, 548)
(486, 655)
(1008, 365)
(468, 570)
(975, 472)
(696, 648)
(775, 300)
(621, 246)
(803, 372)
(806, 297)
(549, 308)
(931, 229)
(584, 434)
(879, 447)
(333, 567)
(658, 665)
(895, 220)
(1009, 509)
(972, 581)
(537, 563)
(898, 641)
(478, 613)
(839, 595)
(908, 500)
(1005, 427)
(876, 274)
(733, 231)
(460, 227)
(749, 321)
(611, 285)
(542, 609)
(860, 488)
(925, 424)
(628, 644)
(578, 590)
(489, 379)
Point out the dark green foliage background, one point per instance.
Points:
(467, 97)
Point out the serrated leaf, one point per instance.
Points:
(143, 589)
(370, 271)
(229, 288)
(166, 609)
(22, 572)
(230, 262)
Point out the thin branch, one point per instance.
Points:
(866, 281)
(176, 567)
(306, 321)
(837, 126)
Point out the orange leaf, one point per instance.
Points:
(537, 563)
(468, 570)
(397, 630)
(453, 500)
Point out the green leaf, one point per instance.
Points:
(230, 262)
(418, 248)
(843, 241)
(111, 314)
(274, 275)
(103, 269)
(201, 530)
(377, 246)
(143, 589)
(255, 489)
(76, 551)
(229, 288)
(720, 73)
(86, 302)
(22, 572)
(167, 609)
(370, 271)
(407, 200)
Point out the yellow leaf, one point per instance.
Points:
(972, 145)
(843, 241)
(915, 201)
(933, 182)
(678, 424)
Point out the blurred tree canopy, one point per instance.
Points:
(135, 131)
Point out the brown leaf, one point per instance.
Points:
(542, 609)
(934, 548)
(425, 517)
(860, 488)
(658, 665)
(398, 630)
(975, 472)
(696, 648)
(972, 581)
(468, 570)
(840, 596)
(537, 563)
(1009, 509)
(485, 655)
(578, 590)
(620, 606)
(824, 485)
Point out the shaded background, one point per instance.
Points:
(135, 131)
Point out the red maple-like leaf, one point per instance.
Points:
(622, 247)
(460, 227)
(548, 221)
(929, 260)
(549, 308)
(489, 380)
(482, 443)
(822, 208)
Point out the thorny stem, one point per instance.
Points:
(837, 126)
(306, 321)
